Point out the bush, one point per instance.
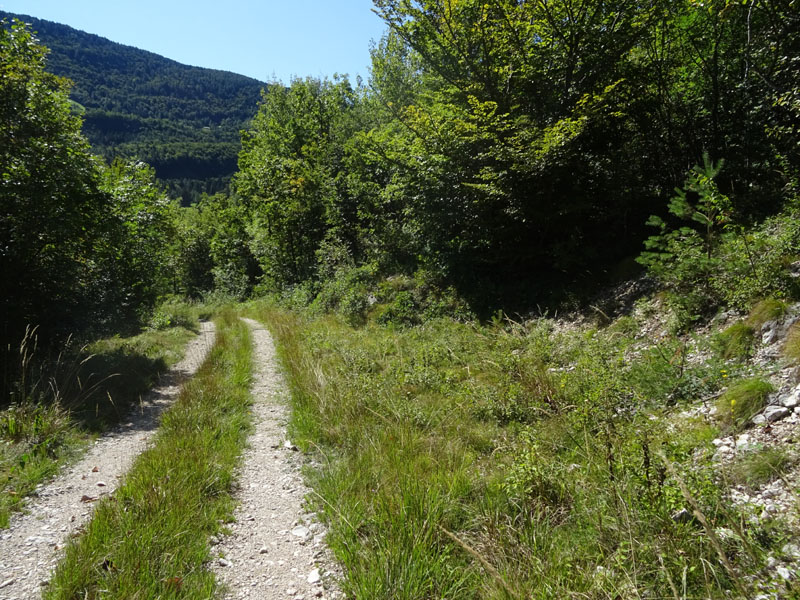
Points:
(402, 310)
(685, 258)
(347, 293)
(708, 261)
(173, 312)
(414, 300)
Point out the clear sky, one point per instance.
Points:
(259, 38)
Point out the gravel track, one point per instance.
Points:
(30, 548)
(275, 549)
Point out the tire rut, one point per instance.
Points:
(275, 548)
(31, 547)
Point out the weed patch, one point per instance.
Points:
(760, 467)
(765, 310)
(742, 400)
(791, 347)
(736, 342)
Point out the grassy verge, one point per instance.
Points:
(151, 539)
(514, 461)
(58, 405)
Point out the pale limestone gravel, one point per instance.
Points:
(275, 549)
(30, 548)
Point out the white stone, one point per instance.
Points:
(314, 577)
(769, 336)
(792, 550)
(300, 531)
(792, 400)
(772, 562)
(775, 413)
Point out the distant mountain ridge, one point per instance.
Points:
(183, 120)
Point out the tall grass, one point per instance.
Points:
(150, 539)
(510, 461)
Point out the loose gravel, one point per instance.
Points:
(30, 548)
(275, 548)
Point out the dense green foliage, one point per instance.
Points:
(83, 246)
(55, 217)
(510, 148)
(505, 151)
(184, 121)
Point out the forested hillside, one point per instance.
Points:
(184, 121)
(500, 157)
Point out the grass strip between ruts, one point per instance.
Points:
(150, 540)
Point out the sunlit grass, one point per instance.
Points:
(506, 461)
(59, 405)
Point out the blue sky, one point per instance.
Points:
(262, 39)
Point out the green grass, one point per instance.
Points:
(765, 310)
(58, 405)
(759, 467)
(506, 461)
(150, 539)
(736, 341)
(791, 347)
(743, 400)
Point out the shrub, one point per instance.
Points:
(742, 400)
(347, 293)
(173, 313)
(411, 301)
(684, 258)
(402, 310)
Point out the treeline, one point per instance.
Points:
(509, 148)
(500, 153)
(133, 101)
(83, 245)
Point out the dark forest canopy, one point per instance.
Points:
(184, 121)
(500, 152)
(509, 147)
